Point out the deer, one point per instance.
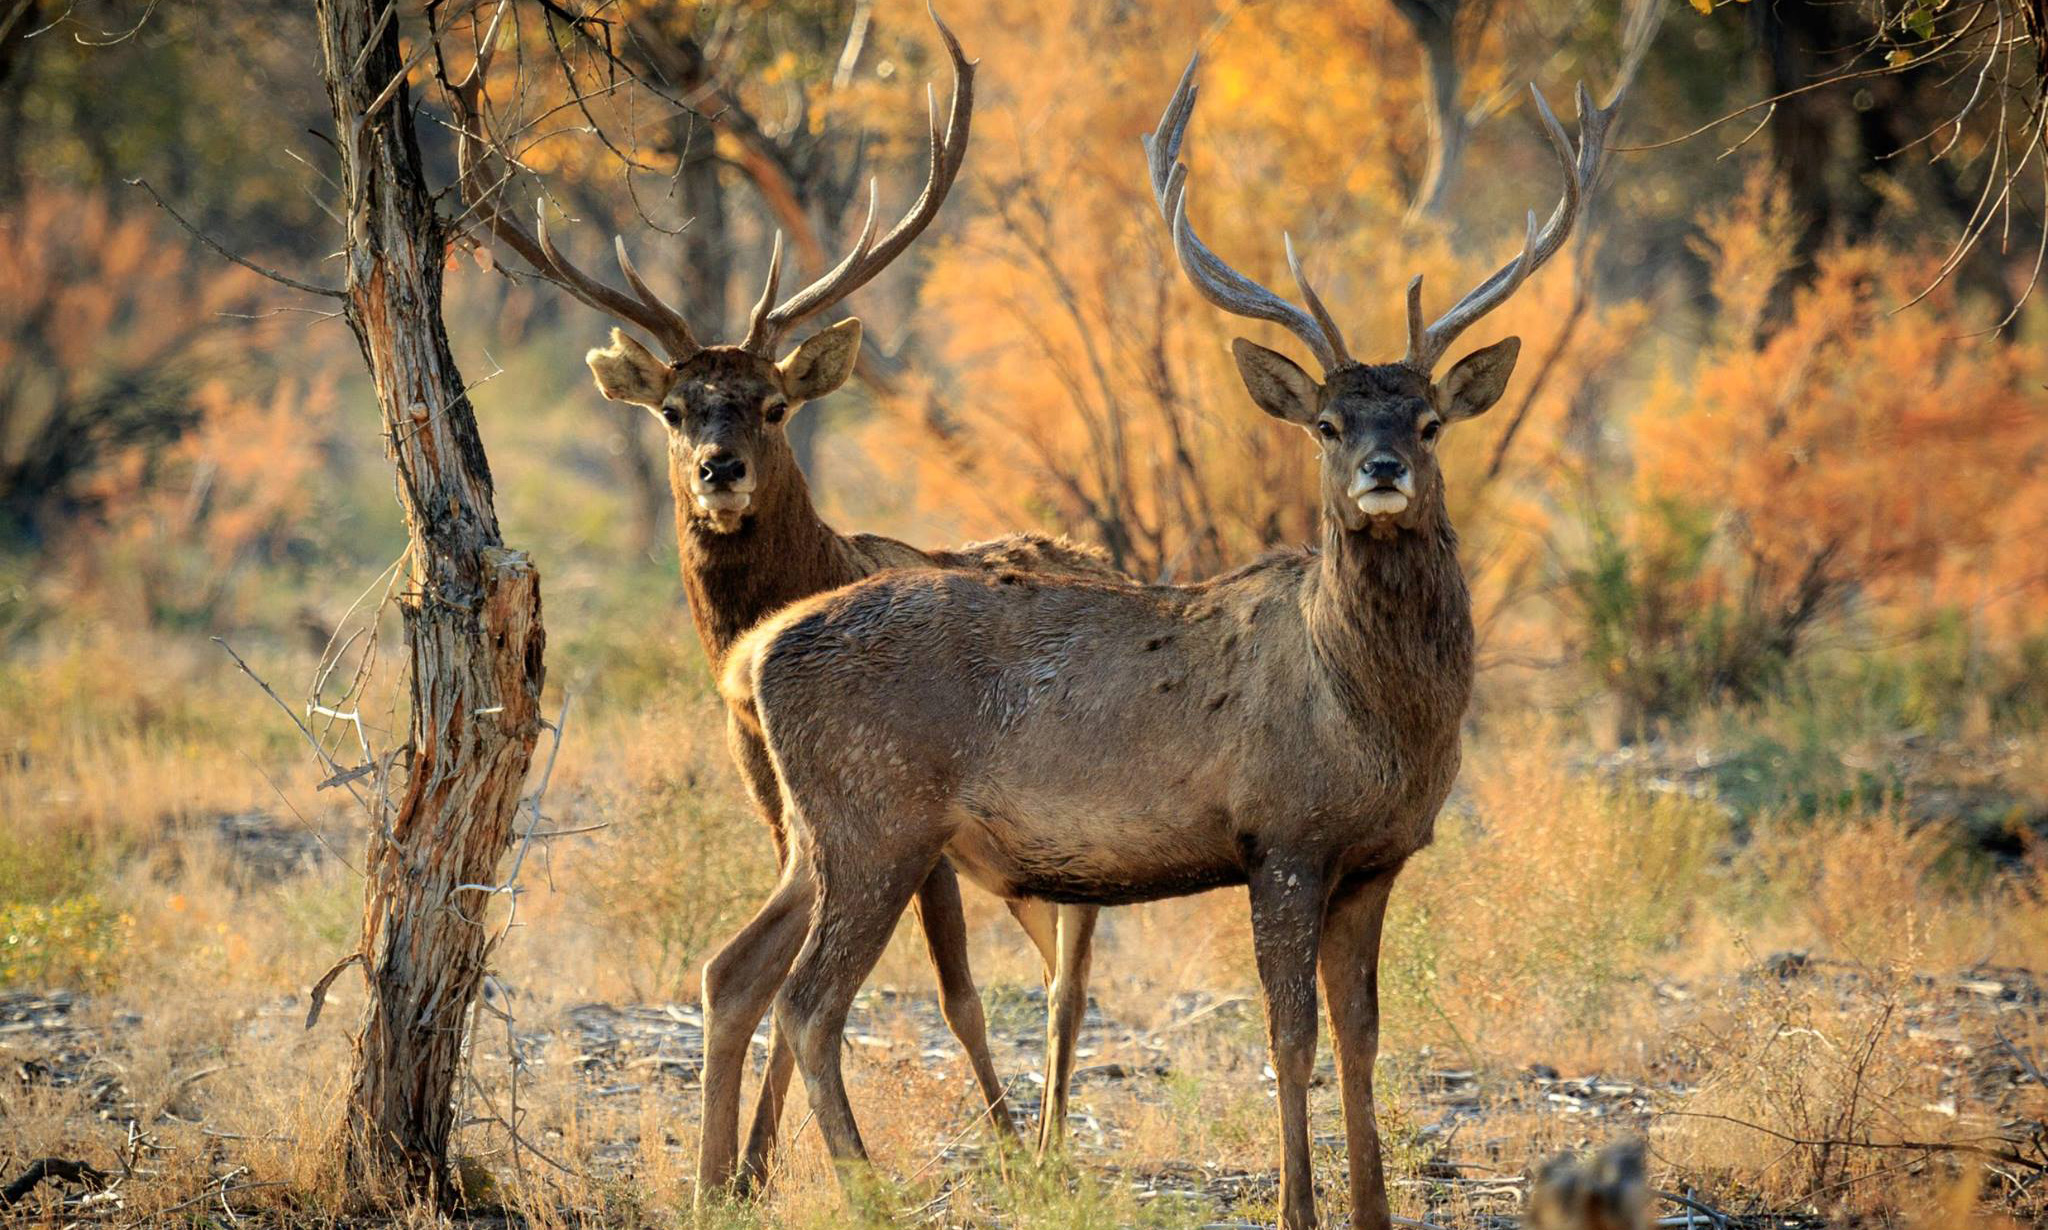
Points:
(1292, 726)
(750, 541)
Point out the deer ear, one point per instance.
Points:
(1477, 381)
(822, 363)
(1276, 382)
(627, 371)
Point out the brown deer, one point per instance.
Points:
(1292, 726)
(751, 542)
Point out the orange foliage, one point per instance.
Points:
(104, 315)
(1860, 449)
(231, 493)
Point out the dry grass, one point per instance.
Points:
(1600, 924)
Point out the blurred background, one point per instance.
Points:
(1758, 538)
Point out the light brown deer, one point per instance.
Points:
(1292, 726)
(751, 542)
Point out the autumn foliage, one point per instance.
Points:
(1863, 457)
(1690, 484)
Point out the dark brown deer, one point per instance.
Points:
(751, 542)
(1292, 726)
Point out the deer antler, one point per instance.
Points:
(1219, 283)
(641, 306)
(869, 256)
(1426, 346)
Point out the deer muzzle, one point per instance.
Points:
(1382, 487)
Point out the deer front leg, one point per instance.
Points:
(1350, 967)
(1066, 1005)
(945, 936)
(757, 771)
(1287, 924)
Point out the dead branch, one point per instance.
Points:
(243, 261)
(1964, 1147)
(63, 1170)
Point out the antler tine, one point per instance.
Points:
(1426, 346)
(757, 319)
(870, 256)
(642, 307)
(1217, 282)
(1162, 145)
(1415, 330)
(1324, 321)
(641, 289)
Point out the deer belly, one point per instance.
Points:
(1090, 852)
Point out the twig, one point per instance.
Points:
(932, 1161)
(2027, 1065)
(243, 261)
(1926, 1146)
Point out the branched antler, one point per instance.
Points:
(869, 256)
(639, 304)
(1426, 345)
(1238, 294)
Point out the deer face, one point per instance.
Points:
(726, 409)
(1377, 425)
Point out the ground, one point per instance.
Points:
(1812, 981)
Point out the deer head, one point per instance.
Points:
(1376, 424)
(726, 407)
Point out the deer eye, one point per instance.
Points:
(672, 416)
(774, 411)
(1326, 429)
(1430, 429)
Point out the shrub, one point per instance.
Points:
(1854, 457)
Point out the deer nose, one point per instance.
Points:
(1384, 468)
(722, 469)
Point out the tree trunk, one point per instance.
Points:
(1435, 26)
(472, 622)
(17, 22)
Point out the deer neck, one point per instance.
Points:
(782, 551)
(1391, 622)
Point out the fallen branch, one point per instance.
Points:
(64, 1170)
(1712, 1214)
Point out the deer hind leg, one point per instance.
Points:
(945, 936)
(863, 888)
(1287, 923)
(1351, 980)
(1066, 1004)
(739, 984)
